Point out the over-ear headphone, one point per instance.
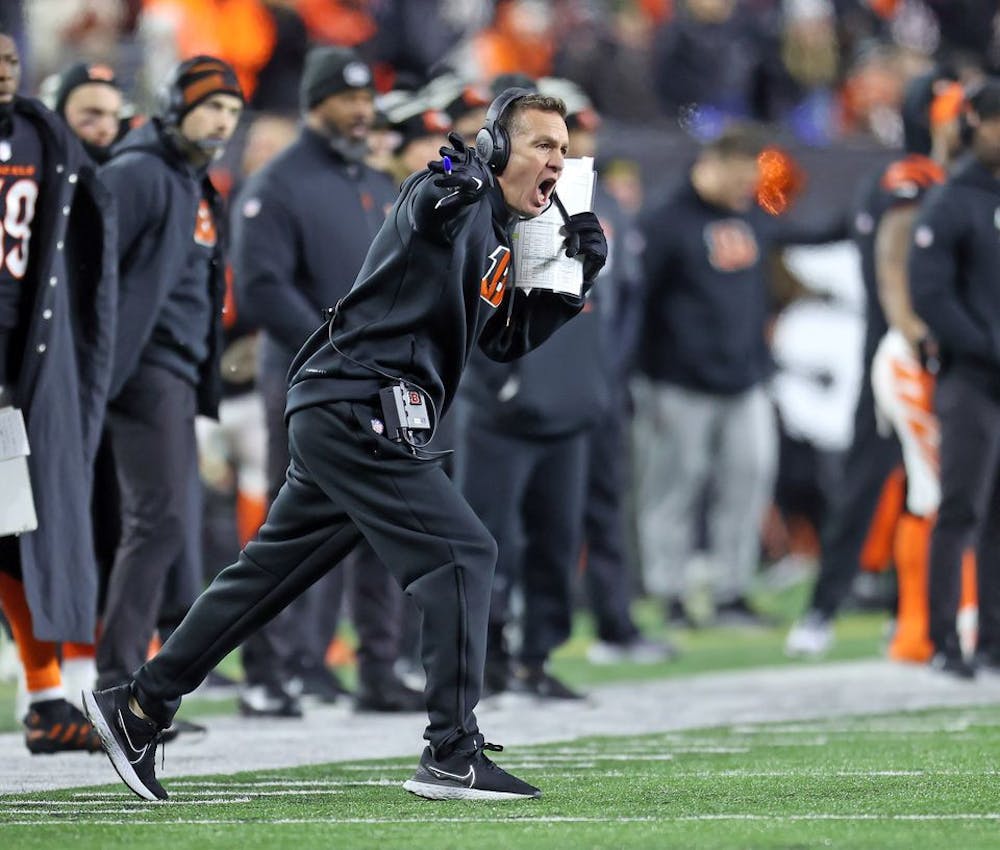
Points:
(186, 83)
(493, 141)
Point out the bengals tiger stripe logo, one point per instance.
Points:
(494, 282)
(204, 226)
(731, 245)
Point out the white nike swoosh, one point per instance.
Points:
(479, 185)
(140, 753)
(469, 778)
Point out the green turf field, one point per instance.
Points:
(916, 780)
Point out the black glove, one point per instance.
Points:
(469, 178)
(585, 236)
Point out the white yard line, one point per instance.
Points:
(523, 819)
(335, 734)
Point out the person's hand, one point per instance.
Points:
(462, 172)
(929, 353)
(585, 238)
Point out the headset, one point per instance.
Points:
(493, 141)
(171, 98)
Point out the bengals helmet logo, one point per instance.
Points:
(494, 282)
(204, 226)
(731, 245)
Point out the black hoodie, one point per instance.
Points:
(954, 271)
(159, 251)
(429, 289)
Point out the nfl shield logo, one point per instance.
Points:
(378, 427)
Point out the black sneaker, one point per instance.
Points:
(129, 740)
(268, 701)
(181, 727)
(954, 664)
(58, 726)
(739, 614)
(536, 681)
(467, 776)
(385, 691)
(316, 680)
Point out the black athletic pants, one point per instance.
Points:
(345, 482)
(301, 633)
(867, 464)
(151, 424)
(529, 493)
(969, 514)
(608, 580)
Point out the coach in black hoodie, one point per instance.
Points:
(435, 282)
(167, 342)
(953, 271)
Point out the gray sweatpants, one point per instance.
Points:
(686, 440)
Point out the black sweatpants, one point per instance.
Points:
(867, 464)
(529, 493)
(969, 514)
(607, 577)
(151, 424)
(300, 634)
(345, 482)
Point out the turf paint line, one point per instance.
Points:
(519, 819)
(269, 783)
(248, 792)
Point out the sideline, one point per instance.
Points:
(336, 734)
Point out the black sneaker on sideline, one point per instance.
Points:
(467, 776)
(181, 727)
(954, 664)
(536, 681)
(383, 690)
(129, 740)
(268, 701)
(58, 726)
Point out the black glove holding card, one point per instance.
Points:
(585, 238)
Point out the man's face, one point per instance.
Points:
(737, 180)
(349, 114)
(213, 120)
(10, 69)
(986, 142)
(92, 112)
(538, 146)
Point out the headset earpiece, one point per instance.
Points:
(492, 141)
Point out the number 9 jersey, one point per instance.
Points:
(21, 162)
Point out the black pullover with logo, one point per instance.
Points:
(953, 272)
(430, 288)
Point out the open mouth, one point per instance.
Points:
(544, 192)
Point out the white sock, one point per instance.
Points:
(136, 709)
(79, 674)
(58, 692)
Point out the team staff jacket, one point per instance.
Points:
(63, 383)
(430, 288)
(705, 292)
(158, 195)
(902, 183)
(566, 384)
(953, 271)
(301, 229)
